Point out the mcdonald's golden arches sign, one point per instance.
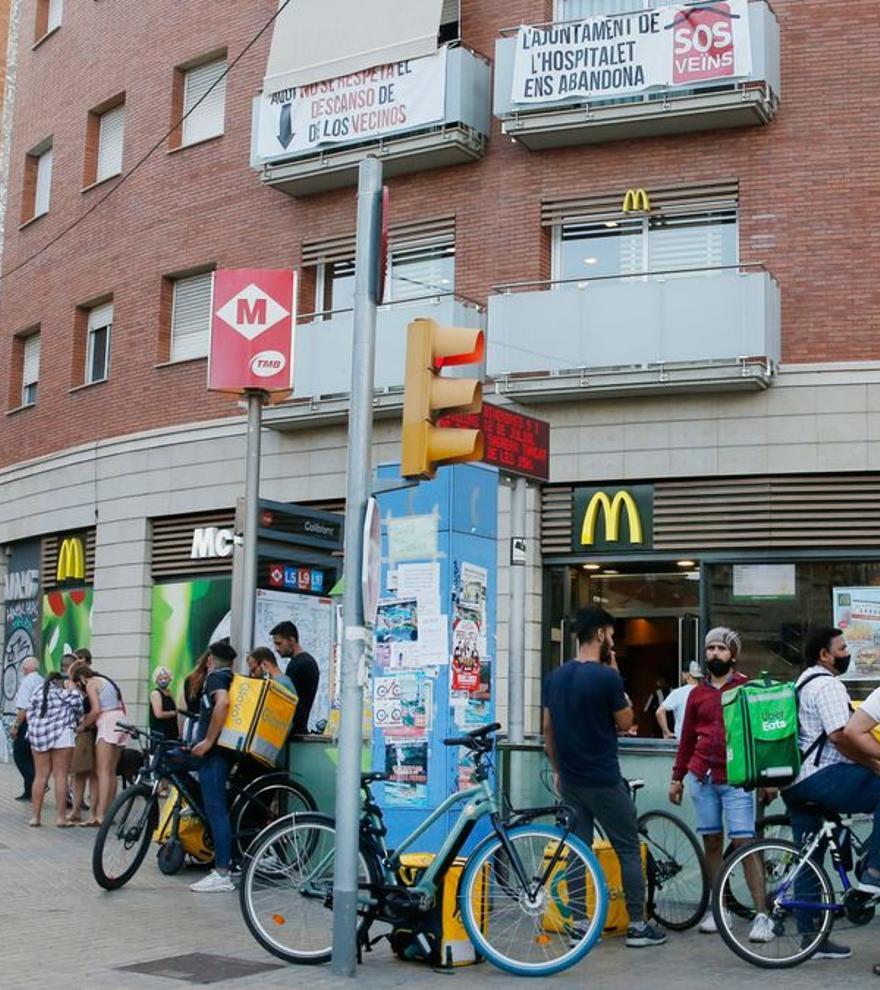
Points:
(71, 564)
(613, 518)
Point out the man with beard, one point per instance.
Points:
(585, 707)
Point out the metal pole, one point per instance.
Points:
(360, 428)
(516, 650)
(255, 400)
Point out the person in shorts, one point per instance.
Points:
(701, 763)
(52, 717)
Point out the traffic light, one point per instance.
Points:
(428, 395)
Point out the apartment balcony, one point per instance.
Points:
(690, 331)
(459, 137)
(700, 107)
(322, 359)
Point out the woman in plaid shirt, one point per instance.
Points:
(52, 719)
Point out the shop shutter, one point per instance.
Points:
(191, 316)
(49, 557)
(110, 139)
(44, 183)
(204, 119)
(721, 194)
(770, 513)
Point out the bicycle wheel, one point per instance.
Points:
(286, 889)
(546, 928)
(677, 882)
(770, 827)
(124, 836)
(784, 874)
(263, 802)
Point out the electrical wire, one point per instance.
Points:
(153, 149)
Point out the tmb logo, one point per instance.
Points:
(251, 312)
(268, 363)
(703, 45)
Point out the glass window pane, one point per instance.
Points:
(691, 242)
(339, 286)
(590, 250)
(420, 272)
(99, 340)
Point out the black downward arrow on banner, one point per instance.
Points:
(285, 131)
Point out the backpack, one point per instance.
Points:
(761, 724)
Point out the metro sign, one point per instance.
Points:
(252, 330)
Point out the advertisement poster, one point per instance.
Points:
(609, 56)
(406, 760)
(857, 613)
(402, 701)
(66, 625)
(186, 617)
(350, 109)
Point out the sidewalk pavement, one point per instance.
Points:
(59, 929)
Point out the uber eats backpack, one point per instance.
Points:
(761, 723)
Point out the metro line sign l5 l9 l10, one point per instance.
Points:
(252, 319)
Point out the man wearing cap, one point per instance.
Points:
(675, 702)
(702, 762)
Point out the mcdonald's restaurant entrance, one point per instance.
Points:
(656, 607)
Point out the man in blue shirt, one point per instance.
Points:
(585, 707)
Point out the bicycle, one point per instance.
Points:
(540, 887)
(124, 836)
(802, 902)
(677, 883)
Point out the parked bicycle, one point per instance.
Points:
(122, 840)
(511, 890)
(803, 902)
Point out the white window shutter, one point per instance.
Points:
(191, 317)
(101, 316)
(53, 19)
(450, 12)
(30, 370)
(204, 120)
(110, 139)
(44, 183)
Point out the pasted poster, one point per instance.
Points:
(21, 595)
(857, 614)
(402, 701)
(186, 617)
(609, 56)
(315, 621)
(406, 763)
(66, 625)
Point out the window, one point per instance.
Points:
(418, 272)
(111, 131)
(191, 316)
(37, 181)
(44, 183)
(48, 17)
(573, 10)
(203, 119)
(658, 243)
(450, 21)
(30, 369)
(99, 325)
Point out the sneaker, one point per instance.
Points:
(576, 934)
(869, 882)
(643, 935)
(828, 949)
(762, 929)
(707, 925)
(214, 882)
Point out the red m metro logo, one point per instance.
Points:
(703, 44)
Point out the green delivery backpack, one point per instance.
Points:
(761, 722)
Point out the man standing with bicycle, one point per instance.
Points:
(212, 763)
(585, 707)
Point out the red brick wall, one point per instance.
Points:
(812, 168)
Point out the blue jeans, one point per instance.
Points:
(842, 787)
(213, 770)
(712, 800)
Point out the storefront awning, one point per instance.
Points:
(315, 40)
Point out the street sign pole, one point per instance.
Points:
(255, 400)
(353, 666)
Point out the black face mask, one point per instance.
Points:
(718, 668)
(841, 664)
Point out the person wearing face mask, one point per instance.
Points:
(838, 771)
(701, 761)
(163, 708)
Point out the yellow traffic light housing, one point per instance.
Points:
(428, 395)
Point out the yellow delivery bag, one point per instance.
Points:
(259, 718)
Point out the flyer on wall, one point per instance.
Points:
(857, 613)
(406, 763)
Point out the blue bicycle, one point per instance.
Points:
(532, 897)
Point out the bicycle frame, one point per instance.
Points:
(825, 835)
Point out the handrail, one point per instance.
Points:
(311, 317)
(510, 286)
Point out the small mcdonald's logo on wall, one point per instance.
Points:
(613, 519)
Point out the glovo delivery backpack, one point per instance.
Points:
(190, 829)
(259, 719)
(761, 723)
